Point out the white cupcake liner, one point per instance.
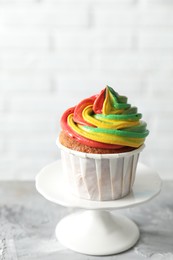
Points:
(99, 176)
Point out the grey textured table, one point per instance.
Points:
(28, 221)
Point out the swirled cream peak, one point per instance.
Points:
(105, 120)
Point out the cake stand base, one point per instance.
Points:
(97, 232)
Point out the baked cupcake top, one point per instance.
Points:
(105, 121)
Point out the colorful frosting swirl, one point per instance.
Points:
(105, 121)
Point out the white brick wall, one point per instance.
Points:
(54, 53)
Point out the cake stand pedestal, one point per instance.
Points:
(95, 230)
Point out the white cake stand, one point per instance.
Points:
(96, 231)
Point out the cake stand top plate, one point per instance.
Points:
(51, 185)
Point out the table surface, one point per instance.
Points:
(28, 224)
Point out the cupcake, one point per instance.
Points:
(100, 143)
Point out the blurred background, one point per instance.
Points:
(53, 53)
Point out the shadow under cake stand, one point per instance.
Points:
(95, 230)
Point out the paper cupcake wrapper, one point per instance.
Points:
(99, 176)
